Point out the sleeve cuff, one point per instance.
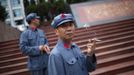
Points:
(93, 58)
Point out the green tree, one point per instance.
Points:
(3, 13)
(26, 3)
(59, 7)
(43, 9)
(31, 8)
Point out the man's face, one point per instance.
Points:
(36, 22)
(66, 31)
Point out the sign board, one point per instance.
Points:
(102, 11)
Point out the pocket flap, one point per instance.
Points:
(71, 61)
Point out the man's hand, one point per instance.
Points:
(90, 47)
(44, 48)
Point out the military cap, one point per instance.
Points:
(60, 19)
(31, 16)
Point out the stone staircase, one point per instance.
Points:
(115, 53)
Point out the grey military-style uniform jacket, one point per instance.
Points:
(70, 61)
(30, 40)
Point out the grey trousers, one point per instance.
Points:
(39, 72)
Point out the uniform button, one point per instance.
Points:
(82, 68)
(72, 61)
(77, 58)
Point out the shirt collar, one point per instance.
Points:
(33, 28)
(64, 45)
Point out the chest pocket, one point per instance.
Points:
(32, 39)
(71, 61)
(41, 39)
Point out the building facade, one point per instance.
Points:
(15, 11)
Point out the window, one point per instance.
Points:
(17, 13)
(19, 22)
(8, 16)
(15, 3)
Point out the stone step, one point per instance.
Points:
(9, 43)
(99, 55)
(115, 60)
(115, 69)
(5, 42)
(111, 46)
(114, 53)
(123, 39)
(18, 54)
(14, 46)
(104, 33)
(108, 25)
(103, 26)
(131, 72)
(114, 44)
(10, 51)
(11, 56)
(13, 61)
(104, 38)
(111, 53)
(13, 67)
(118, 38)
(77, 35)
(17, 72)
(100, 62)
(91, 29)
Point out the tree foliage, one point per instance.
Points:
(3, 13)
(31, 8)
(48, 10)
(43, 10)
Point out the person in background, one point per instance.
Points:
(34, 44)
(66, 58)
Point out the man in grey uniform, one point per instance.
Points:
(34, 44)
(66, 58)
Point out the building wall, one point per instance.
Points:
(15, 10)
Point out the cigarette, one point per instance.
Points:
(96, 39)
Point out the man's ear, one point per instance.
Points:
(56, 31)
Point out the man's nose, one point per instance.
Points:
(69, 29)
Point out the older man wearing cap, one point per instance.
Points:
(66, 58)
(34, 44)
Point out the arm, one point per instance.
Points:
(26, 49)
(91, 63)
(46, 45)
(55, 66)
(90, 55)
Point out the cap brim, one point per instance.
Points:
(64, 22)
(38, 17)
